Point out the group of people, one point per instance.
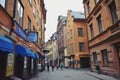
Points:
(57, 66)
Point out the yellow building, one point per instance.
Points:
(76, 40)
(51, 45)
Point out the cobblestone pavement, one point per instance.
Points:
(71, 74)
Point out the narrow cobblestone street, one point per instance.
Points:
(71, 74)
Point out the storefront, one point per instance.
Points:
(24, 62)
(6, 57)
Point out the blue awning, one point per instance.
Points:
(23, 51)
(36, 56)
(6, 44)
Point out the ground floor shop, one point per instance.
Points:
(6, 57)
(105, 57)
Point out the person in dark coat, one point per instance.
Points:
(53, 67)
(48, 67)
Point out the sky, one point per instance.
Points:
(58, 7)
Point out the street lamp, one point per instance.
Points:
(45, 51)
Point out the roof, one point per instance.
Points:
(63, 18)
(77, 15)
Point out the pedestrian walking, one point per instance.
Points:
(48, 67)
(61, 66)
(57, 66)
(53, 67)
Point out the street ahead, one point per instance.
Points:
(67, 74)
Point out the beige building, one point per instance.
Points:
(51, 45)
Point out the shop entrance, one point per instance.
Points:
(84, 62)
(3, 62)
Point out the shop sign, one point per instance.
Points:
(19, 31)
(10, 64)
(32, 36)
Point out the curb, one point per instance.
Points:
(95, 76)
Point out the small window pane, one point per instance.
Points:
(105, 57)
(81, 46)
(95, 58)
(19, 14)
(113, 12)
(100, 26)
(91, 31)
(80, 31)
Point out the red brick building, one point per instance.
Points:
(103, 24)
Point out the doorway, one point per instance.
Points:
(84, 62)
(3, 62)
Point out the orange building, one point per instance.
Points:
(18, 19)
(103, 24)
(76, 40)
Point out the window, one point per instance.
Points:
(30, 1)
(91, 31)
(96, 1)
(19, 14)
(105, 57)
(81, 46)
(2, 2)
(88, 7)
(113, 12)
(34, 9)
(29, 24)
(70, 33)
(95, 58)
(80, 31)
(100, 27)
(69, 23)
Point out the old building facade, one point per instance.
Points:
(20, 19)
(103, 24)
(61, 37)
(76, 40)
(51, 45)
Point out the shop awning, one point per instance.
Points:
(6, 44)
(36, 56)
(23, 51)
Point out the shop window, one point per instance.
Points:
(105, 57)
(95, 58)
(100, 25)
(113, 11)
